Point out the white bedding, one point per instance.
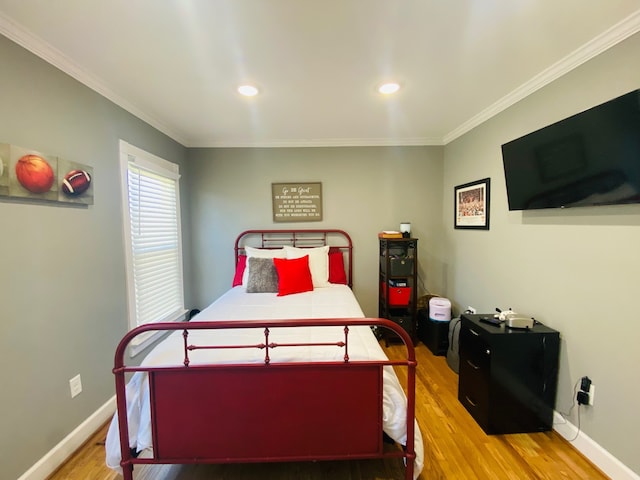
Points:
(335, 301)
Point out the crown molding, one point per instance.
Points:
(318, 142)
(616, 34)
(20, 35)
(611, 37)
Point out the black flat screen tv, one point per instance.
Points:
(591, 158)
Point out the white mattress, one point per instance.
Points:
(335, 301)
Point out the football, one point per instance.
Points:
(76, 182)
(34, 173)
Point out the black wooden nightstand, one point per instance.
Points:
(508, 378)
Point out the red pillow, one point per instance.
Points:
(336, 267)
(294, 275)
(242, 263)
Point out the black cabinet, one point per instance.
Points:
(434, 334)
(508, 378)
(397, 296)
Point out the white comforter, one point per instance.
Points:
(335, 301)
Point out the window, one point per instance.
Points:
(153, 240)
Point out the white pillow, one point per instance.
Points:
(260, 253)
(318, 262)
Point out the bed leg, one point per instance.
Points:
(408, 474)
(127, 472)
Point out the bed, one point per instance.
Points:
(269, 376)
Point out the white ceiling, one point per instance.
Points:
(176, 63)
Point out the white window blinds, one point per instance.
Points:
(153, 235)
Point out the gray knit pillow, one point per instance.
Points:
(263, 277)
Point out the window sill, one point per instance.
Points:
(144, 341)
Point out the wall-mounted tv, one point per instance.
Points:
(591, 158)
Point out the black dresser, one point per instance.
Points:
(508, 378)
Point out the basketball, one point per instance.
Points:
(34, 173)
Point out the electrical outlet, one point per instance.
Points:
(582, 397)
(471, 310)
(587, 392)
(75, 384)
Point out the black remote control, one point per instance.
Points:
(491, 320)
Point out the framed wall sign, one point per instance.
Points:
(471, 207)
(297, 202)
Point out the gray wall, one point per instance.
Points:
(365, 190)
(62, 273)
(575, 270)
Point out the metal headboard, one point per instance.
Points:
(336, 239)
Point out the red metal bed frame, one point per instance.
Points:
(266, 411)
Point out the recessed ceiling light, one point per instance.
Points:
(247, 90)
(389, 88)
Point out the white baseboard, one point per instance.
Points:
(610, 465)
(63, 450)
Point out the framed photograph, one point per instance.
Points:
(471, 205)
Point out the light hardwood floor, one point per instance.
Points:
(456, 448)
